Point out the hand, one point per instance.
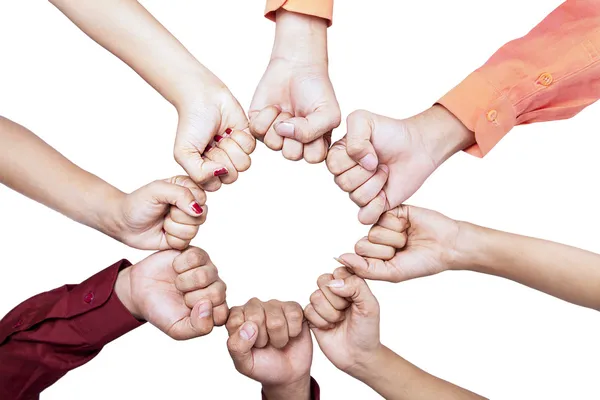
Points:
(382, 161)
(407, 242)
(344, 317)
(211, 144)
(179, 293)
(294, 108)
(162, 215)
(270, 343)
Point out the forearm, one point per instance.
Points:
(130, 32)
(300, 390)
(394, 378)
(30, 166)
(562, 271)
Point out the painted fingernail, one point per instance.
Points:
(196, 208)
(336, 283)
(208, 148)
(285, 129)
(218, 138)
(369, 162)
(228, 131)
(205, 309)
(220, 172)
(247, 331)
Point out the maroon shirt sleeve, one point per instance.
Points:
(315, 390)
(52, 333)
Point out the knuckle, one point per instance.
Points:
(315, 297)
(200, 278)
(323, 279)
(275, 323)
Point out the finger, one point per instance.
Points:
(356, 289)
(191, 258)
(216, 293)
(369, 214)
(371, 188)
(365, 248)
(161, 192)
(181, 231)
(387, 237)
(324, 308)
(180, 217)
(240, 346)
(272, 140)
(315, 319)
(245, 140)
(277, 327)
(371, 268)
(175, 243)
(294, 316)
(198, 323)
(261, 121)
(315, 151)
(218, 155)
(313, 126)
(201, 170)
(338, 160)
(235, 320)
(341, 272)
(337, 302)
(187, 182)
(197, 278)
(354, 178)
(254, 312)
(358, 140)
(220, 314)
(240, 160)
(292, 149)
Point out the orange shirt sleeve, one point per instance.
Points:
(551, 73)
(318, 8)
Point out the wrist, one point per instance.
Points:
(447, 134)
(471, 248)
(297, 390)
(123, 292)
(110, 215)
(300, 38)
(370, 368)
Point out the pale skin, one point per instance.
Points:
(294, 108)
(411, 242)
(270, 343)
(382, 161)
(180, 293)
(344, 317)
(211, 143)
(164, 214)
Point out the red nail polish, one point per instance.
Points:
(220, 172)
(196, 207)
(208, 148)
(228, 131)
(218, 138)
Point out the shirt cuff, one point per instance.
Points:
(318, 8)
(315, 390)
(483, 110)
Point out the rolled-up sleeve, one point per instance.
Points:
(54, 332)
(317, 8)
(551, 73)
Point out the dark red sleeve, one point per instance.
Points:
(52, 333)
(315, 390)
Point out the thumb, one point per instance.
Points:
(240, 345)
(198, 323)
(163, 192)
(313, 126)
(358, 140)
(373, 268)
(356, 290)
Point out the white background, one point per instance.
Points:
(276, 230)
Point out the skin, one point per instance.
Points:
(164, 214)
(205, 106)
(344, 317)
(270, 343)
(178, 292)
(294, 108)
(382, 161)
(411, 242)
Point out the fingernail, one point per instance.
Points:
(220, 172)
(218, 138)
(336, 283)
(341, 261)
(384, 168)
(285, 129)
(208, 148)
(228, 131)
(369, 162)
(205, 309)
(196, 208)
(247, 331)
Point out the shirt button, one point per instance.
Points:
(545, 79)
(88, 297)
(492, 115)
